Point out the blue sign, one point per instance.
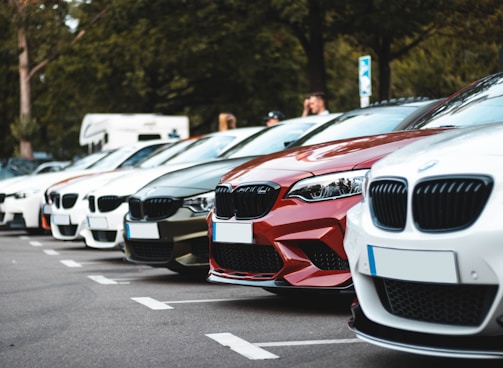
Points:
(365, 81)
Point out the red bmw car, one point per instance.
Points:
(279, 220)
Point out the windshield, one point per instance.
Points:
(366, 122)
(163, 154)
(269, 140)
(87, 161)
(480, 103)
(207, 147)
(125, 156)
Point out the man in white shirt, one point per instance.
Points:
(315, 105)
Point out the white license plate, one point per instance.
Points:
(142, 230)
(97, 222)
(232, 232)
(60, 219)
(47, 209)
(413, 265)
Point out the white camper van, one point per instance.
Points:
(108, 131)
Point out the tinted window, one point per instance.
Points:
(269, 140)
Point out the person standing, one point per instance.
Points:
(273, 117)
(226, 121)
(315, 104)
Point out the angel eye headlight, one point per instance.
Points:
(200, 203)
(326, 187)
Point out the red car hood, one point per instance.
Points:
(319, 159)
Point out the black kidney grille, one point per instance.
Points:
(224, 203)
(160, 207)
(135, 208)
(69, 200)
(323, 256)
(449, 203)
(461, 305)
(247, 201)
(388, 203)
(2, 197)
(55, 197)
(92, 204)
(109, 203)
(247, 258)
(254, 200)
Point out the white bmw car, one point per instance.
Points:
(425, 247)
(22, 198)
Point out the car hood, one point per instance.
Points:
(447, 152)
(84, 184)
(136, 179)
(191, 180)
(40, 181)
(343, 155)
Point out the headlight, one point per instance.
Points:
(26, 193)
(331, 186)
(200, 203)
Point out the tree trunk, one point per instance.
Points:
(384, 54)
(25, 117)
(315, 54)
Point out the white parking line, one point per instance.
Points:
(24, 237)
(70, 263)
(152, 303)
(214, 300)
(100, 279)
(36, 243)
(308, 342)
(254, 351)
(243, 347)
(51, 252)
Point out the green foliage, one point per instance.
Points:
(200, 58)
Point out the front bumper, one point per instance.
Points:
(474, 347)
(179, 244)
(296, 245)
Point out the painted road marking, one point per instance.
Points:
(36, 243)
(243, 347)
(214, 300)
(308, 342)
(51, 252)
(70, 263)
(167, 303)
(100, 279)
(254, 351)
(24, 237)
(152, 303)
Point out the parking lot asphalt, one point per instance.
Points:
(65, 305)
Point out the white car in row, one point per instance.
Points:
(425, 246)
(22, 198)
